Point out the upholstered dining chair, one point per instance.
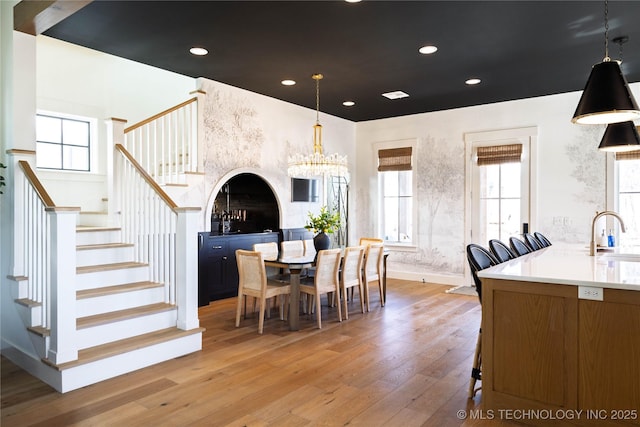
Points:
(479, 258)
(351, 275)
(291, 248)
(366, 241)
(518, 246)
(253, 282)
(373, 271)
(542, 239)
(531, 241)
(326, 280)
(500, 250)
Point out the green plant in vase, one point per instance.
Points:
(326, 222)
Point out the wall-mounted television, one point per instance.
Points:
(304, 190)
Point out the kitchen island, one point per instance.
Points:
(561, 338)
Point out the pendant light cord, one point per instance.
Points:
(606, 31)
(318, 99)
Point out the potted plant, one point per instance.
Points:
(326, 222)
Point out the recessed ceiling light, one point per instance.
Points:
(353, 1)
(473, 81)
(199, 51)
(348, 103)
(395, 95)
(427, 50)
(288, 82)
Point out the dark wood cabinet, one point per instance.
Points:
(217, 268)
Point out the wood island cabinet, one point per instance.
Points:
(543, 348)
(217, 267)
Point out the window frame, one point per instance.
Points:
(92, 136)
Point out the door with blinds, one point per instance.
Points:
(498, 184)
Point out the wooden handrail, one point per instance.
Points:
(164, 196)
(37, 185)
(157, 116)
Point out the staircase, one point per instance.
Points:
(122, 320)
(88, 302)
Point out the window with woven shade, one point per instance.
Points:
(396, 192)
(627, 170)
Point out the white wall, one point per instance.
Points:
(569, 181)
(74, 80)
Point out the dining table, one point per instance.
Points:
(295, 265)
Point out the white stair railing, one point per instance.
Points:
(45, 255)
(164, 235)
(166, 145)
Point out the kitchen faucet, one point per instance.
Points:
(592, 245)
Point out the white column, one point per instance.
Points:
(63, 343)
(187, 268)
(115, 135)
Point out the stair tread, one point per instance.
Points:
(105, 267)
(116, 289)
(28, 302)
(103, 246)
(39, 330)
(87, 228)
(129, 313)
(125, 345)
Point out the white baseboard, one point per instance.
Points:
(440, 279)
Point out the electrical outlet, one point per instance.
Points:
(588, 292)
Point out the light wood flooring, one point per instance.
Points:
(405, 364)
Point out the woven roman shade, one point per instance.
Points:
(394, 159)
(498, 154)
(628, 155)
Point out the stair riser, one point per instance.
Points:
(19, 289)
(121, 301)
(102, 334)
(99, 279)
(93, 220)
(97, 237)
(31, 316)
(91, 373)
(101, 256)
(40, 344)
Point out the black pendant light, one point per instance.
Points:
(606, 97)
(620, 137)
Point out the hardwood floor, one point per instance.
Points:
(405, 364)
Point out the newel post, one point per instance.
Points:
(187, 267)
(63, 343)
(15, 191)
(201, 96)
(115, 135)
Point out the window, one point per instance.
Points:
(396, 184)
(62, 143)
(499, 198)
(628, 170)
(499, 201)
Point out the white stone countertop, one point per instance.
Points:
(619, 269)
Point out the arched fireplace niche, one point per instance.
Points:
(245, 203)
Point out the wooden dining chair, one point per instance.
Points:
(309, 247)
(291, 248)
(253, 282)
(351, 275)
(325, 280)
(366, 241)
(373, 271)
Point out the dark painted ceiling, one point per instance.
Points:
(519, 49)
